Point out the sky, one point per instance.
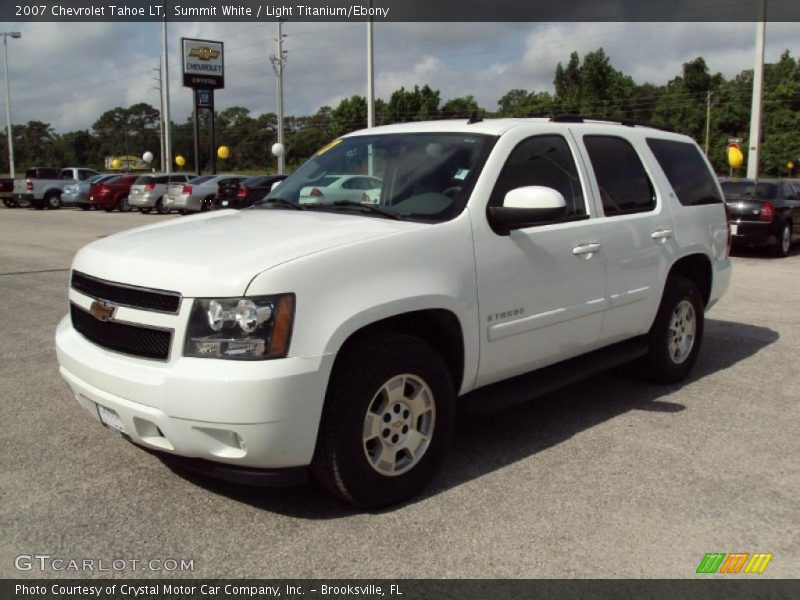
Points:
(67, 74)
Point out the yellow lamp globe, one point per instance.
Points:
(180, 161)
(735, 157)
(223, 152)
(116, 163)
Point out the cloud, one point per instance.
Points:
(68, 74)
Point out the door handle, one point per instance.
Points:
(585, 249)
(661, 234)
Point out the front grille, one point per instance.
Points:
(134, 340)
(127, 295)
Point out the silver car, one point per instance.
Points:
(77, 194)
(197, 195)
(147, 192)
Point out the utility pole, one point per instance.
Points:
(160, 89)
(758, 84)
(279, 64)
(708, 120)
(370, 73)
(165, 85)
(9, 133)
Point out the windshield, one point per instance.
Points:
(748, 188)
(427, 176)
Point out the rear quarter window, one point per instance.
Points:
(624, 185)
(687, 172)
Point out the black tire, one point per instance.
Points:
(207, 204)
(108, 209)
(160, 208)
(53, 201)
(144, 211)
(661, 364)
(364, 366)
(784, 245)
(122, 204)
(84, 207)
(10, 203)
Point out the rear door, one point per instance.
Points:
(638, 230)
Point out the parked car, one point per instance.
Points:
(764, 213)
(42, 186)
(358, 188)
(147, 192)
(7, 193)
(247, 192)
(198, 195)
(506, 259)
(77, 194)
(113, 193)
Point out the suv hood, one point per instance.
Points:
(218, 254)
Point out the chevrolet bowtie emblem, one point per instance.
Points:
(102, 311)
(203, 53)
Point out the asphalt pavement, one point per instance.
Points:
(612, 477)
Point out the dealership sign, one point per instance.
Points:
(203, 64)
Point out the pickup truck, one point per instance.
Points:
(502, 259)
(42, 186)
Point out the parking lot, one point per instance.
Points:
(612, 477)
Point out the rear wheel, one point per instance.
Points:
(160, 208)
(207, 204)
(387, 422)
(53, 200)
(10, 203)
(784, 241)
(676, 333)
(123, 205)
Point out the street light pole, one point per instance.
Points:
(9, 134)
(165, 92)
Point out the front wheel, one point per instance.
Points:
(676, 334)
(53, 201)
(123, 205)
(387, 422)
(160, 208)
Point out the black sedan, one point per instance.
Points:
(764, 212)
(245, 193)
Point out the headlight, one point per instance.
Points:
(254, 328)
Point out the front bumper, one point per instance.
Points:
(261, 414)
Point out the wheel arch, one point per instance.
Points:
(439, 327)
(697, 268)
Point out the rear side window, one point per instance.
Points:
(175, 179)
(686, 171)
(42, 174)
(624, 185)
(143, 180)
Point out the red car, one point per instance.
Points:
(112, 193)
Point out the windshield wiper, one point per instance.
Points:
(378, 210)
(280, 202)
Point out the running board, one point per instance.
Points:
(528, 386)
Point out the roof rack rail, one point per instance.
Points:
(625, 122)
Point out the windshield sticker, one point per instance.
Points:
(461, 174)
(324, 149)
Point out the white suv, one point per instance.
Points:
(343, 336)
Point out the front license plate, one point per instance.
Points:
(110, 418)
(734, 228)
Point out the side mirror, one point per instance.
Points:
(526, 207)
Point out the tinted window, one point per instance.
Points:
(143, 180)
(201, 179)
(162, 179)
(544, 160)
(748, 188)
(176, 178)
(41, 174)
(623, 182)
(686, 171)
